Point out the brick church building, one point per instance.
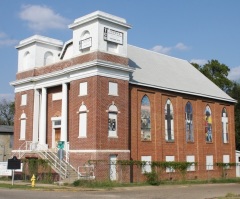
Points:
(108, 100)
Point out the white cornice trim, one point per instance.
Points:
(182, 91)
(72, 69)
(96, 68)
(99, 15)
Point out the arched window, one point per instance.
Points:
(189, 122)
(23, 126)
(26, 61)
(85, 42)
(83, 121)
(225, 125)
(112, 121)
(145, 119)
(208, 124)
(48, 58)
(169, 124)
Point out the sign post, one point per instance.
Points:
(60, 155)
(13, 164)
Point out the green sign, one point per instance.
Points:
(60, 145)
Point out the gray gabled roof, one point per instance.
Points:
(168, 73)
(6, 129)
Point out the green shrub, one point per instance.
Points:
(152, 178)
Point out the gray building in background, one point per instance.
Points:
(6, 142)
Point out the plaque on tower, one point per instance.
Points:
(113, 36)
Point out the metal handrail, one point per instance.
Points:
(60, 166)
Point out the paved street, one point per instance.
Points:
(150, 192)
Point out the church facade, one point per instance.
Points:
(108, 100)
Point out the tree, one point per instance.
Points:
(235, 93)
(7, 110)
(217, 73)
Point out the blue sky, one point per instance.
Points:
(195, 30)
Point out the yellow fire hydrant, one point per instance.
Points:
(33, 179)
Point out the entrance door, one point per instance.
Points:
(57, 136)
(113, 168)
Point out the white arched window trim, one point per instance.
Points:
(225, 126)
(48, 58)
(82, 121)
(23, 126)
(26, 60)
(85, 42)
(169, 121)
(112, 121)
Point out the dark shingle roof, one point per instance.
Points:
(6, 129)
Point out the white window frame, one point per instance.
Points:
(83, 88)
(57, 96)
(172, 121)
(191, 158)
(112, 115)
(209, 162)
(147, 167)
(82, 121)
(170, 158)
(24, 100)
(225, 127)
(23, 126)
(226, 159)
(113, 88)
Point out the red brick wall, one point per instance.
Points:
(28, 110)
(97, 102)
(158, 148)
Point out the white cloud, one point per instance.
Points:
(234, 73)
(166, 50)
(40, 18)
(161, 49)
(199, 61)
(181, 46)
(6, 41)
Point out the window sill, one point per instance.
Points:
(22, 139)
(83, 137)
(113, 95)
(146, 140)
(170, 141)
(82, 95)
(112, 136)
(209, 142)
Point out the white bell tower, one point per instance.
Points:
(100, 31)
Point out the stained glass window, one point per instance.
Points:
(169, 128)
(225, 125)
(189, 122)
(145, 119)
(208, 124)
(112, 121)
